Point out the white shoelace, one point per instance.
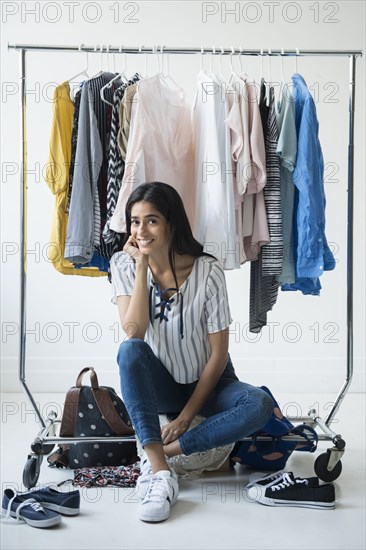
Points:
(268, 478)
(287, 481)
(29, 502)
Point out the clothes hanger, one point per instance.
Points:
(122, 74)
(110, 83)
(100, 72)
(290, 88)
(154, 51)
(269, 75)
(211, 58)
(297, 53)
(220, 75)
(232, 72)
(240, 59)
(282, 56)
(262, 72)
(231, 59)
(85, 70)
(201, 61)
(262, 67)
(282, 83)
(158, 57)
(119, 74)
(145, 75)
(167, 77)
(81, 73)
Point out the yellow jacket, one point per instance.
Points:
(57, 179)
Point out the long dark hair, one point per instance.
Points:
(167, 201)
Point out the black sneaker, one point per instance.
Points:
(295, 491)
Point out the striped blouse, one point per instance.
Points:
(179, 327)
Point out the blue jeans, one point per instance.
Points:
(233, 410)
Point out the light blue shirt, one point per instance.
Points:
(287, 150)
(312, 253)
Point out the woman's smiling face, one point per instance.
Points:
(150, 228)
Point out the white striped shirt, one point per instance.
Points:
(202, 309)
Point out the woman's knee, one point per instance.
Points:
(267, 402)
(258, 406)
(130, 350)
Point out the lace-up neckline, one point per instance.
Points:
(165, 305)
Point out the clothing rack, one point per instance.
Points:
(352, 54)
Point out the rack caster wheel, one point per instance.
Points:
(39, 448)
(321, 467)
(31, 471)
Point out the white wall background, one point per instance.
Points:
(70, 320)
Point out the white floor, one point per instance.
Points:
(212, 512)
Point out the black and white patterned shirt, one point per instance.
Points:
(178, 329)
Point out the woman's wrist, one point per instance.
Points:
(142, 264)
(185, 417)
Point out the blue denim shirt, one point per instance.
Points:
(312, 253)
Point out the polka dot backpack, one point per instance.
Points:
(94, 411)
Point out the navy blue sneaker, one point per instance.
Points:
(28, 510)
(66, 503)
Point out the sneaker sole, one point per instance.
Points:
(151, 519)
(148, 519)
(297, 503)
(40, 523)
(65, 510)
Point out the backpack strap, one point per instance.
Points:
(109, 413)
(68, 423)
(93, 377)
(309, 434)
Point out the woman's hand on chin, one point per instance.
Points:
(132, 249)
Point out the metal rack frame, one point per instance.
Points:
(48, 426)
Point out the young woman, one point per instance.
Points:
(173, 306)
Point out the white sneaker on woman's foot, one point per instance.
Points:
(161, 495)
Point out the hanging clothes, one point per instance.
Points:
(263, 284)
(74, 139)
(214, 172)
(248, 153)
(125, 112)
(116, 163)
(88, 199)
(273, 251)
(287, 150)
(238, 122)
(57, 179)
(245, 171)
(255, 224)
(159, 145)
(312, 253)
